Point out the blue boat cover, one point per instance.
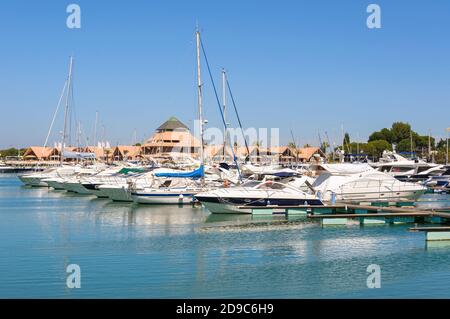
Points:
(197, 173)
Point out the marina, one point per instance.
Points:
(163, 247)
(198, 150)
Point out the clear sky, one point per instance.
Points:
(301, 65)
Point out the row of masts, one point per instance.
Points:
(68, 88)
(200, 101)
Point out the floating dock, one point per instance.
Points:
(434, 233)
(366, 213)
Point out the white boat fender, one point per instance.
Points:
(180, 198)
(333, 198)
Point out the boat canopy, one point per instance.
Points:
(127, 170)
(197, 173)
(78, 155)
(345, 168)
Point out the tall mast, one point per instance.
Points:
(429, 145)
(66, 111)
(95, 129)
(411, 141)
(199, 88)
(224, 107)
(446, 153)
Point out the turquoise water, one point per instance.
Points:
(132, 251)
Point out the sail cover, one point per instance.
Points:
(197, 173)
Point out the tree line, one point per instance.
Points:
(401, 136)
(12, 152)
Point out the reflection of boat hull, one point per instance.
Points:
(157, 197)
(234, 205)
(117, 193)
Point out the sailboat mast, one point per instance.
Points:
(199, 88)
(66, 111)
(411, 141)
(95, 129)
(429, 145)
(224, 107)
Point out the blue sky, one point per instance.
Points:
(301, 65)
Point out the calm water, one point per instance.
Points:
(133, 251)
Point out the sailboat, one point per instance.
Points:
(179, 187)
(37, 178)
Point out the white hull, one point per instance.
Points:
(117, 193)
(100, 193)
(222, 208)
(33, 181)
(57, 185)
(76, 188)
(375, 196)
(163, 198)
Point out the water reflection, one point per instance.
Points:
(129, 250)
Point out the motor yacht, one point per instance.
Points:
(264, 193)
(37, 179)
(360, 182)
(404, 169)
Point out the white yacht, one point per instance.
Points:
(119, 192)
(360, 182)
(257, 193)
(73, 183)
(38, 179)
(167, 190)
(439, 180)
(402, 168)
(114, 175)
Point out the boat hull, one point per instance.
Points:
(117, 193)
(57, 185)
(162, 198)
(384, 196)
(76, 187)
(95, 190)
(234, 205)
(33, 181)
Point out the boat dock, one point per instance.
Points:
(370, 213)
